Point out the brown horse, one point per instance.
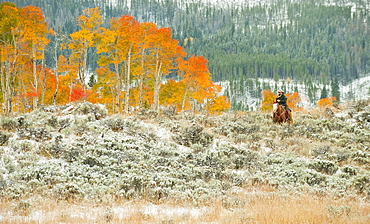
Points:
(279, 115)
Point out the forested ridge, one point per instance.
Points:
(310, 41)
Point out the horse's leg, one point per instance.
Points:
(278, 116)
(284, 116)
(281, 119)
(274, 117)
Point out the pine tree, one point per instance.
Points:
(335, 88)
(324, 93)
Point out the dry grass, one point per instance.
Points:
(247, 206)
(308, 209)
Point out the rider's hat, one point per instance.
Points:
(280, 91)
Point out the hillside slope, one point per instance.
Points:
(79, 153)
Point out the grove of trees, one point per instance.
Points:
(309, 41)
(133, 60)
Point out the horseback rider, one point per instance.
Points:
(281, 100)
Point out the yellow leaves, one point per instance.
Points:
(91, 19)
(218, 105)
(9, 19)
(172, 93)
(106, 39)
(85, 36)
(104, 85)
(106, 77)
(33, 26)
(164, 47)
(23, 41)
(268, 98)
(26, 88)
(81, 40)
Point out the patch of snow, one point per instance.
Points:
(342, 114)
(158, 210)
(359, 89)
(69, 109)
(265, 150)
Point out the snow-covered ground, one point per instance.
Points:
(357, 90)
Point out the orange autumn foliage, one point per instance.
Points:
(165, 51)
(196, 77)
(77, 94)
(147, 98)
(134, 57)
(198, 85)
(23, 41)
(293, 101)
(326, 102)
(27, 91)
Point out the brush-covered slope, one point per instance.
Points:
(79, 152)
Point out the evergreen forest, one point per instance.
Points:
(309, 41)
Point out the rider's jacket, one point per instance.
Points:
(281, 99)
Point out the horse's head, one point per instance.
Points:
(275, 107)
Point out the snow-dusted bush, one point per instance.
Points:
(197, 147)
(194, 134)
(321, 151)
(360, 157)
(97, 110)
(55, 147)
(231, 128)
(323, 166)
(313, 178)
(37, 134)
(145, 114)
(120, 124)
(360, 105)
(23, 208)
(309, 129)
(332, 124)
(4, 137)
(12, 124)
(363, 118)
(349, 170)
(338, 211)
(8, 164)
(236, 128)
(81, 128)
(362, 183)
(59, 123)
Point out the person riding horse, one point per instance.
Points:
(281, 100)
